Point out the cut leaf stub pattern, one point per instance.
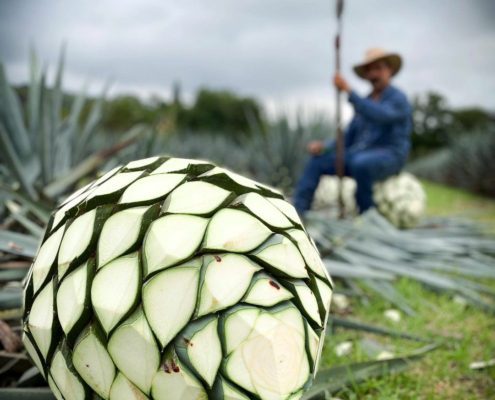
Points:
(175, 279)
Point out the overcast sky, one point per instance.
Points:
(277, 50)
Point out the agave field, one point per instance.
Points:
(86, 219)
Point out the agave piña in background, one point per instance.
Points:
(326, 195)
(401, 199)
(176, 279)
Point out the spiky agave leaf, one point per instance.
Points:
(44, 150)
(175, 279)
(444, 254)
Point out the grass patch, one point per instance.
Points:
(444, 200)
(468, 334)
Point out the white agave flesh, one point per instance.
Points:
(115, 241)
(264, 210)
(66, 380)
(141, 163)
(205, 352)
(184, 199)
(271, 360)
(54, 388)
(93, 363)
(40, 321)
(401, 199)
(71, 297)
(176, 164)
(113, 185)
(76, 240)
(175, 287)
(45, 258)
(231, 393)
(179, 384)
(134, 351)
(123, 389)
(287, 208)
(235, 231)
(266, 292)
(171, 239)
(226, 280)
(240, 180)
(162, 281)
(115, 289)
(151, 187)
(284, 256)
(28, 345)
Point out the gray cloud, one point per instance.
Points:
(277, 50)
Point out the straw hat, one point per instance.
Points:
(376, 54)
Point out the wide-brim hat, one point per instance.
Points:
(377, 54)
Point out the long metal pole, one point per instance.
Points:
(340, 148)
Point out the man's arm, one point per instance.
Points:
(397, 109)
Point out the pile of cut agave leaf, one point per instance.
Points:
(447, 255)
(444, 254)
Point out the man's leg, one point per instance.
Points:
(367, 167)
(315, 167)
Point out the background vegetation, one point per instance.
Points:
(450, 145)
(468, 334)
(439, 276)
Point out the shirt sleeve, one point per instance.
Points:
(392, 111)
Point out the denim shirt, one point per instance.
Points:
(385, 123)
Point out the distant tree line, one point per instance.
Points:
(437, 125)
(453, 146)
(213, 111)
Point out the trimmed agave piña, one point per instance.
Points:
(176, 279)
(326, 195)
(401, 199)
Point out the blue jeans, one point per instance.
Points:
(365, 166)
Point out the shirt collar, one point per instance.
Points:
(385, 94)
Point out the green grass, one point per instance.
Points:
(468, 334)
(444, 200)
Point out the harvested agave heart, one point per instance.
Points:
(401, 199)
(176, 279)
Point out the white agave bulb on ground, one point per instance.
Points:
(326, 195)
(401, 199)
(175, 279)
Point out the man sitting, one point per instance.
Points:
(377, 141)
